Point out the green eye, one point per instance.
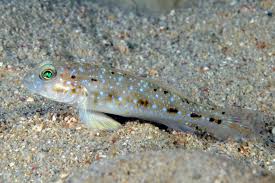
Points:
(48, 72)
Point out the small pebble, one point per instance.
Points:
(231, 61)
(204, 69)
(122, 47)
(273, 131)
(30, 99)
(9, 67)
(39, 127)
(11, 164)
(64, 175)
(54, 118)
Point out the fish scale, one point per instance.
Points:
(97, 89)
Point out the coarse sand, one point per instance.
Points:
(214, 52)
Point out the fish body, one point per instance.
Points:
(96, 90)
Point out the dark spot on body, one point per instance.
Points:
(211, 119)
(165, 92)
(93, 79)
(59, 90)
(194, 115)
(219, 121)
(110, 96)
(113, 72)
(155, 89)
(223, 112)
(73, 76)
(73, 90)
(172, 110)
(96, 94)
(214, 120)
(143, 102)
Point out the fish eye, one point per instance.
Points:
(48, 72)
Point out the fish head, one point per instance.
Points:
(55, 82)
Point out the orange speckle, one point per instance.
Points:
(244, 149)
(261, 45)
(153, 72)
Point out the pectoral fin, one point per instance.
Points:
(96, 120)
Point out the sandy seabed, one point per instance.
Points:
(214, 52)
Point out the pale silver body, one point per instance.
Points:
(97, 89)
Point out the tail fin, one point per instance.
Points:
(248, 123)
(235, 123)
